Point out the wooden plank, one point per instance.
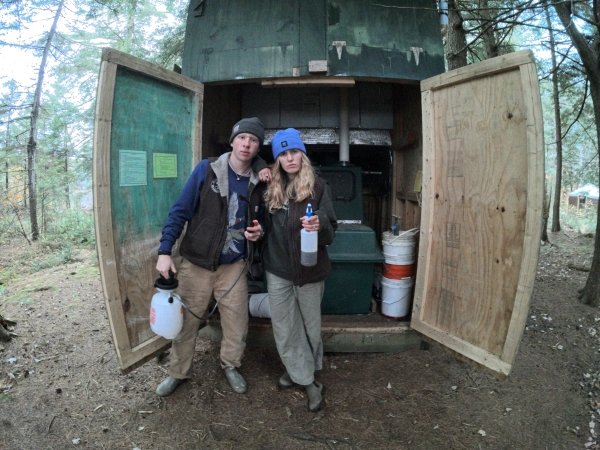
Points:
(425, 233)
(482, 188)
(198, 128)
(102, 200)
(473, 352)
(152, 70)
(535, 200)
(312, 81)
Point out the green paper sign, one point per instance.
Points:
(164, 165)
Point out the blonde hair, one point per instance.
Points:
(282, 188)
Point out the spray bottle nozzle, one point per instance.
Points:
(309, 211)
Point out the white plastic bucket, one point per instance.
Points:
(259, 306)
(400, 250)
(395, 296)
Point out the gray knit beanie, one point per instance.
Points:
(251, 125)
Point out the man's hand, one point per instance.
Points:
(164, 264)
(253, 232)
(265, 175)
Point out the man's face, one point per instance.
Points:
(244, 147)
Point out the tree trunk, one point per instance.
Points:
(24, 194)
(557, 130)
(487, 33)
(546, 214)
(590, 58)
(7, 144)
(456, 40)
(67, 190)
(32, 142)
(591, 292)
(66, 169)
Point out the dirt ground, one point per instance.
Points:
(60, 385)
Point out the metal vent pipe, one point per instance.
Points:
(344, 130)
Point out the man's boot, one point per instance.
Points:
(168, 386)
(315, 392)
(236, 380)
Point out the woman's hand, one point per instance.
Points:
(253, 232)
(311, 223)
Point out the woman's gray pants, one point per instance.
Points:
(296, 321)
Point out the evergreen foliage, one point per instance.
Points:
(150, 30)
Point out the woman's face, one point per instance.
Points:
(291, 161)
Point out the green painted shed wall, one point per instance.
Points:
(240, 40)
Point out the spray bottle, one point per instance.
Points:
(308, 243)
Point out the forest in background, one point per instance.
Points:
(50, 53)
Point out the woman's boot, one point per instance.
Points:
(285, 382)
(315, 392)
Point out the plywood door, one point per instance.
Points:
(146, 140)
(482, 207)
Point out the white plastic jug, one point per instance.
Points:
(166, 309)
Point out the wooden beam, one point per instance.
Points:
(310, 82)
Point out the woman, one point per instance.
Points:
(295, 291)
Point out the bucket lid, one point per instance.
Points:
(403, 235)
(167, 284)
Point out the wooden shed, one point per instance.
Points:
(458, 155)
(584, 196)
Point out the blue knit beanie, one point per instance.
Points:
(288, 139)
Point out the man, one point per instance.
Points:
(220, 205)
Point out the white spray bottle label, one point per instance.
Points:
(308, 243)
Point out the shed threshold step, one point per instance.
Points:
(341, 333)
